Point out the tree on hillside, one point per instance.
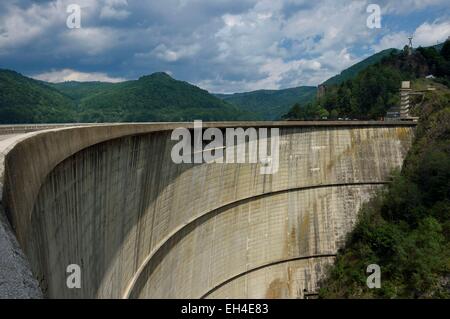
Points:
(294, 112)
(445, 52)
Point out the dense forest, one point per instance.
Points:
(405, 229)
(374, 90)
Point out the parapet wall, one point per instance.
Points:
(110, 199)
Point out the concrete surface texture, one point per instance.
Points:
(110, 199)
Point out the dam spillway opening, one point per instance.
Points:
(111, 200)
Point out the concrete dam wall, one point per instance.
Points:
(110, 199)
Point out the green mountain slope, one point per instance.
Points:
(270, 104)
(156, 97)
(24, 100)
(353, 71)
(79, 90)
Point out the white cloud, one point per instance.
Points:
(115, 9)
(394, 40)
(424, 35)
(274, 51)
(63, 75)
(22, 25)
(90, 40)
(408, 6)
(335, 26)
(430, 34)
(232, 20)
(171, 55)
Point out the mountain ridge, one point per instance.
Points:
(154, 97)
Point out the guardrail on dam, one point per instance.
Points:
(110, 199)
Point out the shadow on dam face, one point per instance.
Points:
(141, 226)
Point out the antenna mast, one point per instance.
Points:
(410, 46)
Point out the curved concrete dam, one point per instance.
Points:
(110, 199)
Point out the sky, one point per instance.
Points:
(222, 46)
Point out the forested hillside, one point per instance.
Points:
(375, 89)
(24, 100)
(79, 90)
(270, 104)
(156, 97)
